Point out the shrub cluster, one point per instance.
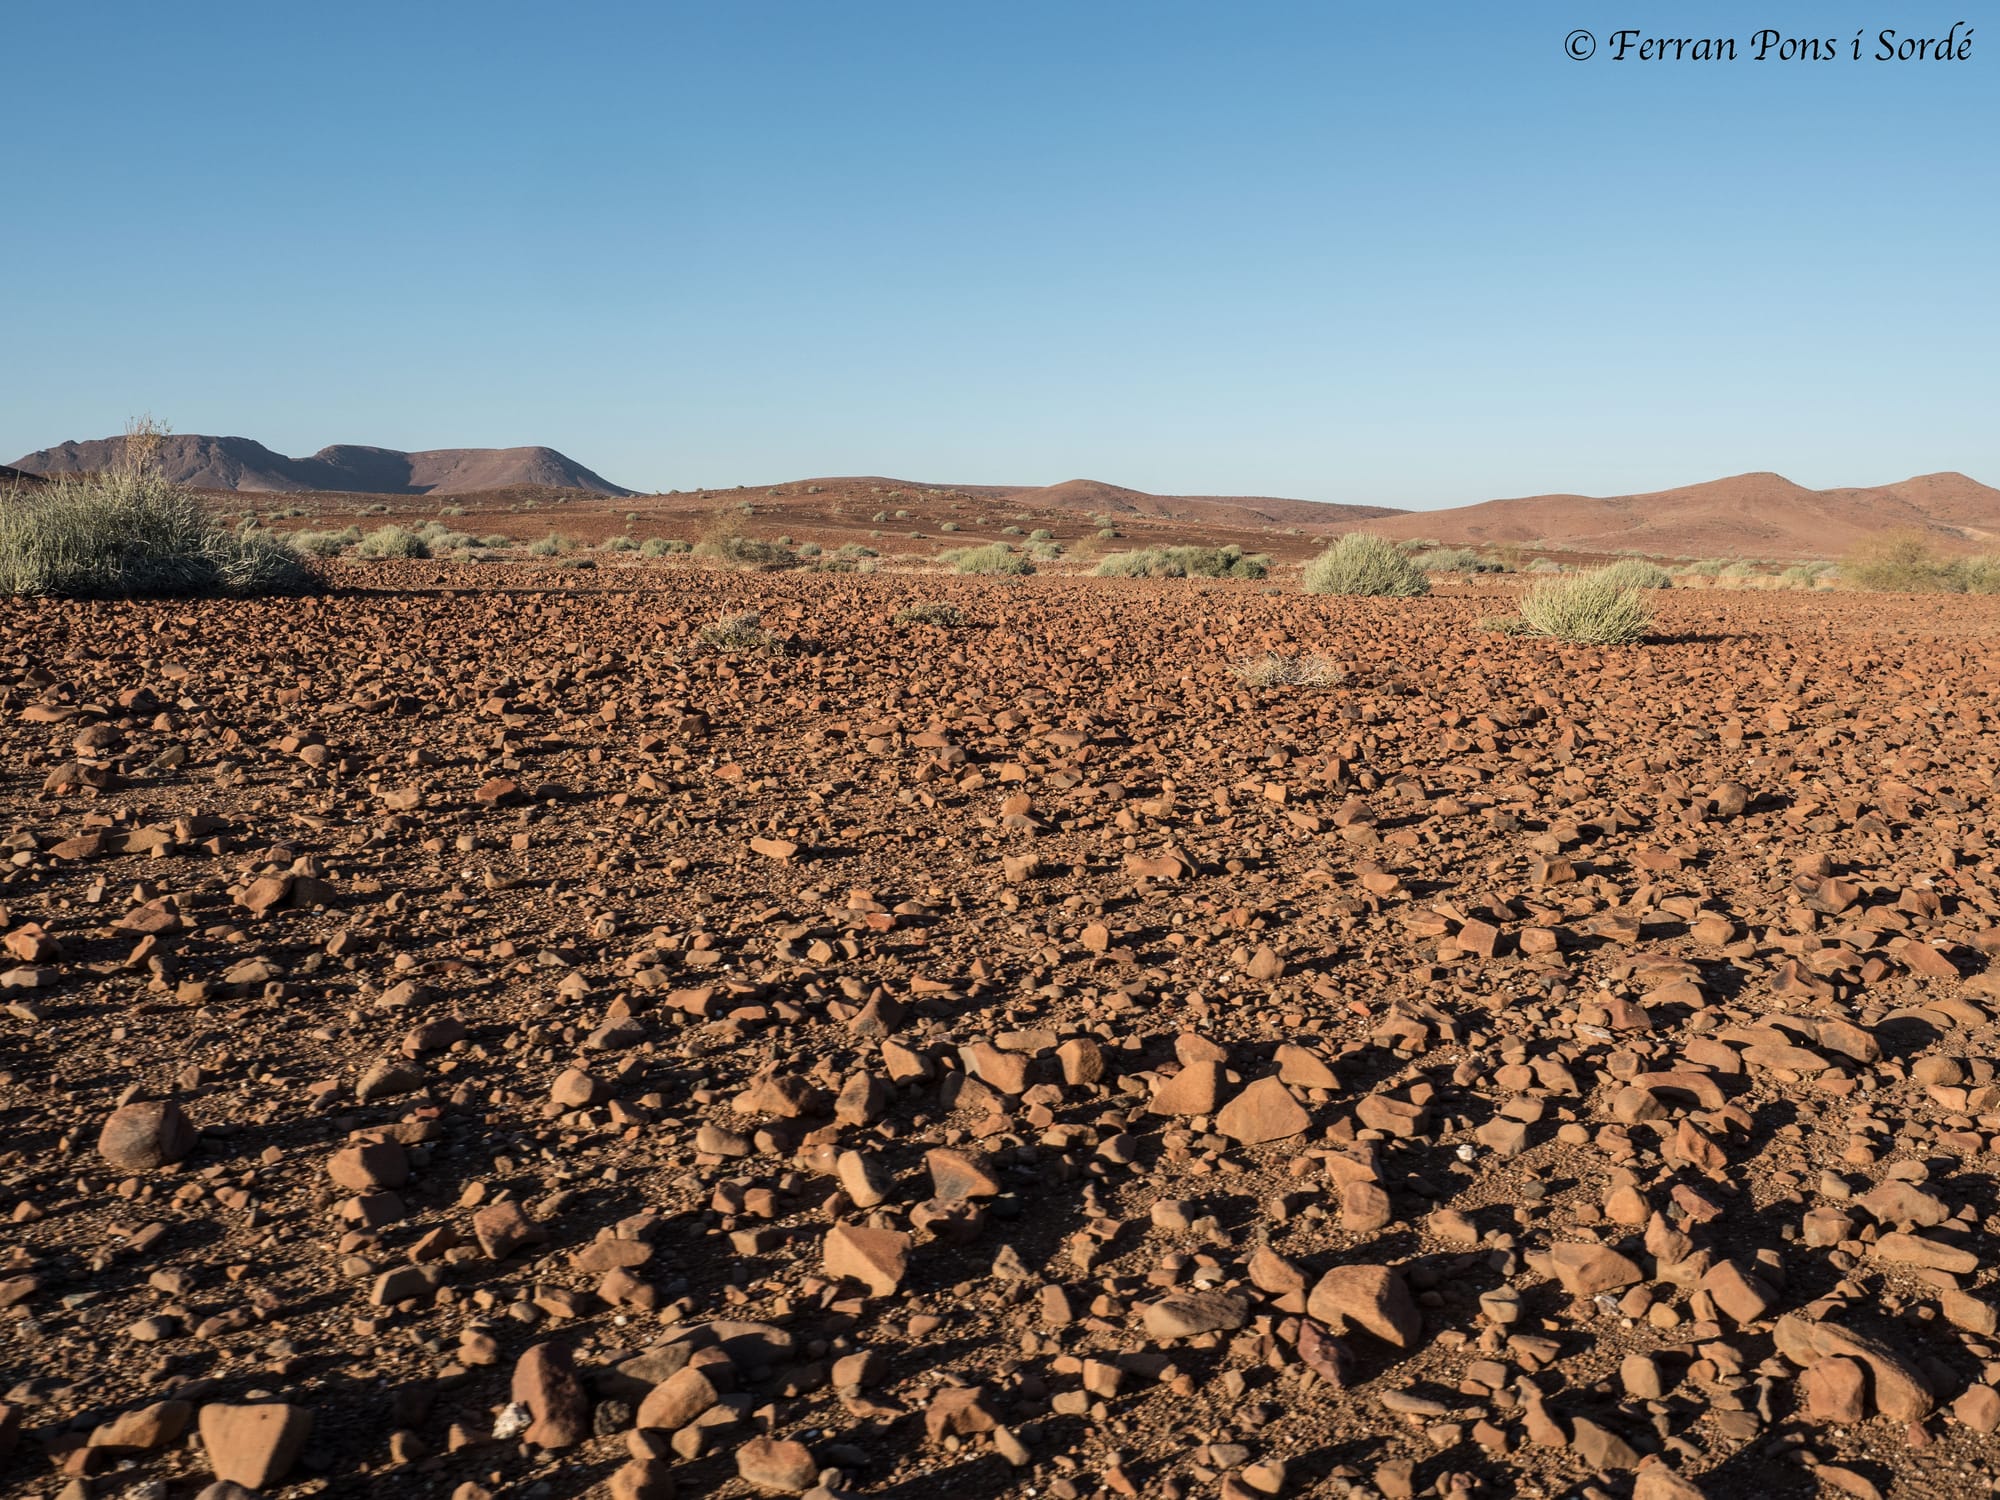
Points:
(129, 533)
(1364, 564)
(1587, 609)
(995, 558)
(1185, 562)
(1276, 669)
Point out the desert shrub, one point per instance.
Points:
(1184, 562)
(930, 612)
(1637, 573)
(1505, 625)
(856, 550)
(743, 631)
(1589, 609)
(993, 558)
(1738, 569)
(323, 543)
(660, 546)
(1363, 563)
(1899, 562)
(130, 532)
(745, 552)
(810, 549)
(552, 545)
(1980, 575)
(619, 544)
(393, 541)
(1452, 560)
(1276, 669)
(495, 541)
(441, 538)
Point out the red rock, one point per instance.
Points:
(1371, 1298)
(146, 1428)
(678, 1400)
(775, 1466)
(143, 1137)
(370, 1165)
(254, 1445)
(1265, 1111)
(1586, 1270)
(545, 1382)
(1192, 1091)
(877, 1258)
(956, 1175)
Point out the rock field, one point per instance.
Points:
(465, 1036)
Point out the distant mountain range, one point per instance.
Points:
(234, 463)
(1759, 515)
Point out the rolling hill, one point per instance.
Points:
(1759, 515)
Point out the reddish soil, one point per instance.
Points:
(1008, 1057)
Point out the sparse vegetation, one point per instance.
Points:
(1364, 564)
(929, 612)
(1505, 625)
(1278, 669)
(323, 543)
(743, 632)
(1980, 575)
(1638, 573)
(660, 546)
(552, 545)
(1453, 560)
(995, 558)
(495, 542)
(745, 552)
(129, 532)
(1900, 562)
(1185, 562)
(393, 541)
(618, 544)
(1588, 609)
(441, 538)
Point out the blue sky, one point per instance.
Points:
(1409, 255)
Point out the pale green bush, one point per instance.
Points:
(1364, 564)
(132, 533)
(1587, 609)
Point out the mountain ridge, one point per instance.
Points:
(244, 464)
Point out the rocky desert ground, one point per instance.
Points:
(487, 1032)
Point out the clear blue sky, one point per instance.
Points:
(1394, 253)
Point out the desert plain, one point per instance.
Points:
(498, 1029)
